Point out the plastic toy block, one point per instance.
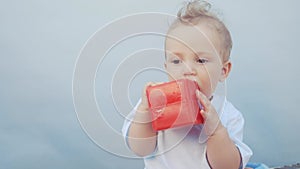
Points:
(174, 104)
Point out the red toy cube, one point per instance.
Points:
(174, 104)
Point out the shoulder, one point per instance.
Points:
(231, 115)
(230, 109)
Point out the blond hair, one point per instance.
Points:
(199, 11)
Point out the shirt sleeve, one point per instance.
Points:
(127, 123)
(235, 125)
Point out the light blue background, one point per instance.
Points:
(39, 44)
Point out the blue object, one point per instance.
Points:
(257, 166)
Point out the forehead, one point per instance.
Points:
(198, 38)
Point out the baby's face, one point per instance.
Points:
(197, 60)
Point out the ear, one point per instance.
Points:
(225, 71)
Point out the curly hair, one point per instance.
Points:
(198, 11)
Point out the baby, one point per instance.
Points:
(197, 47)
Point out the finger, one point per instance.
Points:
(153, 84)
(204, 102)
(203, 108)
(144, 94)
(147, 85)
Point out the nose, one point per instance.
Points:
(189, 69)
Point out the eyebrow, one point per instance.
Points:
(199, 53)
(203, 53)
(177, 54)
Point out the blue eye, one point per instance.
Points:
(176, 61)
(201, 60)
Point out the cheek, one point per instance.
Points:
(213, 71)
(209, 79)
(214, 78)
(173, 72)
(173, 75)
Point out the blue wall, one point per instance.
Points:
(39, 45)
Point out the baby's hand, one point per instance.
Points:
(212, 122)
(142, 113)
(144, 106)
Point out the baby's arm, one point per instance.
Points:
(141, 137)
(221, 153)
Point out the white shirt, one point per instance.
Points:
(185, 147)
